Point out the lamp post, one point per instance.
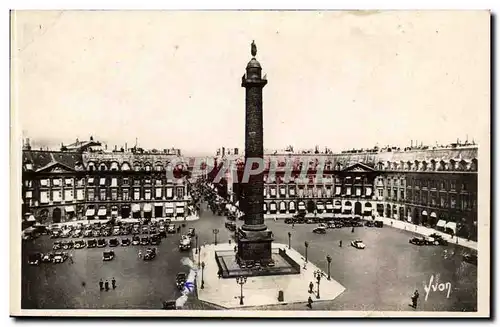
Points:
(215, 231)
(241, 280)
(202, 280)
(289, 240)
(199, 256)
(318, 274)
(329, 260)
(196, 244)
(306, 244)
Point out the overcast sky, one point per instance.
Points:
(344, 80)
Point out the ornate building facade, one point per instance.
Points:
(432, 187)
(62, 186)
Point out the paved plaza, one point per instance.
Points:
(381, 277)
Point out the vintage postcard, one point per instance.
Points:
(250, 164)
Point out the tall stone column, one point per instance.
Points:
(254, 241)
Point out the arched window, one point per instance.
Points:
(102, 167)
(125, 166)
(114, 166)
(91, 166)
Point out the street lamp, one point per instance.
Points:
(215, 231)
(202, 280)
(329, 259)
(306, 244)
(241, 280)
(289, 240)
(196, 244)
(199, 255)
(318, 274)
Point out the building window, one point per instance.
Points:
(125, 181)
(80, 196)
(114, 194)
(433, 199)
(402, 195)
(28, 183)
(137, 194)
(443, 185)
(68, 195)
(80, 182)
(453, 185)
(380, 193)
(56, 182)
(395, 194)
(358, 191)
(409, 195)
(147, 194)
(44, 182)
(148, 168)
(180, 192)
(90, 181)
(126, 196)
(158, 192)
(103, 195)
(338, 190)
(90, 194)
(424, 198)
(102, 181)
(44, 197)
(69, 181)
(56, 196)
(417, 197)
(114, 182)
(464, 203)
(453, 202)
(348, 191)
(169, 194)
(464, 187)
(137, 182)
(443, 201)
(157, 181)
(29, 194)
(147, 181)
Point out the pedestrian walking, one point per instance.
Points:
(352, 230)
(140, 254)
(340, 243)
(106, 285)
(113, 283)
(309, 302)
(414, 299)
(235, 249)
(101, 284)
(311, 286)
(293, 224)
(71, 257)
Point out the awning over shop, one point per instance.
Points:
(424, 213)
(102, 212)
(147, 207)
(451, 225)
(69, 209)
(433, 215)
(441, 223)
(90, 212)
(136, 207)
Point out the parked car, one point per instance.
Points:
(35, 259)
(319, 230)
(60, 257)
(289, 221)
(77, 233)
(67, 245)
(66, 233)
(417, 241)
(370, 223)
(101, 243)
(161, 229)
(358, 244)
(185, 244)
(230, 225)
(47, 257)
(56, 246)
(108, 255)
(191, 232)
(439, 239)
(169, 305)
(136, 240)
(171, 229)
(125, 241)
(55, 233)
(114, 242)
(152, 230)
(92, 243)
(80, 244)
(180, 280)
(96, 233)
(116, 231)
(150, 254)
(145, 229)
(379, 223)
(155, 239)
(470, 258)
(144, 240)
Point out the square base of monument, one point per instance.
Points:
(259, 290)
(254, 246)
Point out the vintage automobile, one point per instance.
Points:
(144, 240)
(319, 230)
(67, 245)
(162, 228)
(60, 257)
(185, 244)
(55, 233)
(101, 243)
(322, 225)
(35, 259)
(150, 254)
(92, 243)
(125, 241)
(470, 258)
(136, 240)
(155, 239)
(114, 242)
(370, 223)
(152, 230)
(180, 280)
(418, 241)
(87, 232)
(439, 239)
(145, 229)
(66, 233)
(358, 244)
(107, 231)
(57, 245)
(289, 221)
(96, 233)
(378, 223)
(80, 244)
(116, 231)
(230, 225)
(191, 232)
(169, 305)
(47, 257)
(77, 233)
(171, 229)
(108, 255)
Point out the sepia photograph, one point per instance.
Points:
(250, 163)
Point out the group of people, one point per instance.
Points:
(105, 285)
